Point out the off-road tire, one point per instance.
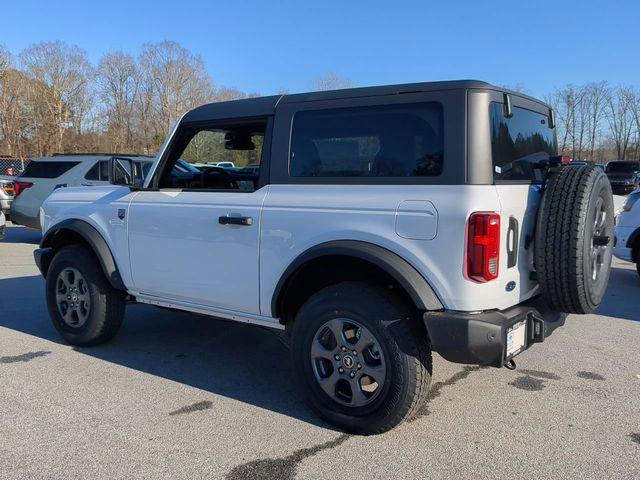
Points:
(404, 344)
(107, 305)
(564, 238)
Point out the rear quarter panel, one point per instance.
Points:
(298, 217)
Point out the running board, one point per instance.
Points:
(269, 322)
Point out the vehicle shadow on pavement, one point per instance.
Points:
(619, 300)
(238, 361)
(18, 234)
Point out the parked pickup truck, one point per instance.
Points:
(375, 226)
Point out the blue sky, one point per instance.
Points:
(272, 45)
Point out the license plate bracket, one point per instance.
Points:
(516, 339)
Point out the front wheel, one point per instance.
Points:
(361, 357)
(82, 304)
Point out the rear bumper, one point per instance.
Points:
(5, 205)
(21, 219)
(481, 338)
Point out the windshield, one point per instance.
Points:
(623, 167)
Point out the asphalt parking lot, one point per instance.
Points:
(181, 396)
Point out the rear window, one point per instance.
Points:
(622, 167)
(37, 169)
(378, 141)
(519, 142)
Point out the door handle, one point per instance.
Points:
(226, 220)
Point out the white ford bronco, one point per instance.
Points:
(373, 225)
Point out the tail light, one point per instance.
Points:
(631, 200)
(19, 187)
(483, 246)
(8, 188)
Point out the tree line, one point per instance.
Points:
(52, 99)
(597, 122)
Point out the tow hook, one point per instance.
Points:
(511, 365)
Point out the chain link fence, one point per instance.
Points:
(12, 166)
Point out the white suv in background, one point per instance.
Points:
(627, 236)
(45, 174)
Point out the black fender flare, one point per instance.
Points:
(92, 237)
(416, 286)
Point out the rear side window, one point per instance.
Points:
(99, 172)
(379, 141)
(37, 169)
(519, 142)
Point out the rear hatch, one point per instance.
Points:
(520, 145)
(39, 179)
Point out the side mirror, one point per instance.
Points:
(122, 171)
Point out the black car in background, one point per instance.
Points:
(624, 176)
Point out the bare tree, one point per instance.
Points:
(5, 60)
(174, 81)
(564, 103)
(597, 94)
(118, 84)
(330, 81)
(224, 94)
(620, 119)
(60, 75)
(13, 121)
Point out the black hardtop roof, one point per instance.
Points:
(264, 106)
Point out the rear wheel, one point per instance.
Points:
(361, 358)
(574, 239)
(82, 304)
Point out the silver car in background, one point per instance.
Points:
(44, 174)
(6, 194)
(3, 221)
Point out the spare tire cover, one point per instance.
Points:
(574, 239)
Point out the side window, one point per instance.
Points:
(221, 157)
(142, 169)
(104, 171)
(123, 171)
(378, 141)
(47, 169)
(99, 172)
(519, 142)
(94, 172)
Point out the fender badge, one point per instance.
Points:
(510, 286)
(121, 213)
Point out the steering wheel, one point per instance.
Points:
(220, 177)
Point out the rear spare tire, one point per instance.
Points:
(574, 239)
